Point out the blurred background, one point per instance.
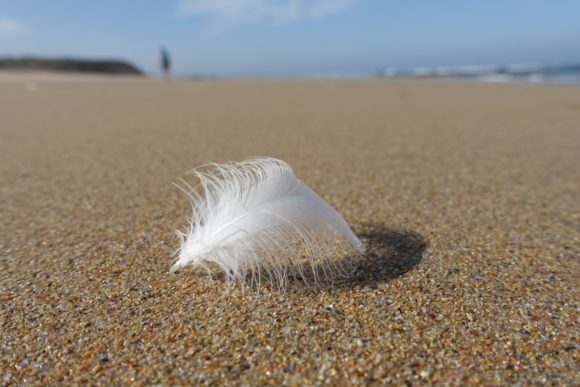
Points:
(495, 40)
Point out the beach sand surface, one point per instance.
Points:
(465, 194)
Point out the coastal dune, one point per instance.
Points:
(465, 194)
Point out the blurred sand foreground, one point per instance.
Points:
(466, 194)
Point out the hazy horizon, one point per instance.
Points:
(295, 37)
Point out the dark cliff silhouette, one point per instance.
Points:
(70, 65)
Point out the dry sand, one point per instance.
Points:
(467, 195)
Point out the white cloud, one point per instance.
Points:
(10, 27)
(224, 12)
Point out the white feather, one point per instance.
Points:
(257, 218)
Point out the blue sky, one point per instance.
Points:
(295, 37)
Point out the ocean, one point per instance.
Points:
(520, 73)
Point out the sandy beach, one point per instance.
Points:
(465, 194)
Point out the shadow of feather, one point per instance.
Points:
(390, 253)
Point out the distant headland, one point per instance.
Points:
(107, 66)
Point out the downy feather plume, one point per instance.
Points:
(255, 219)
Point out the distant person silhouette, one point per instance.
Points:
(165, 62)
